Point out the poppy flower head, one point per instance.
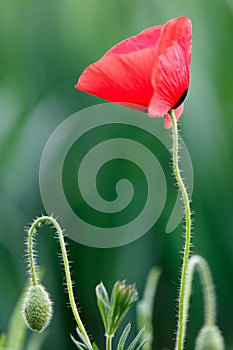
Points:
(150, 70)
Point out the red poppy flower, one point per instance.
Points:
(150, 70)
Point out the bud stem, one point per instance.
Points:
(181, 317)
(198, 262)
(34, 278)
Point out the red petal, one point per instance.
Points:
(121, 78)
(144, 40)
(171, 73)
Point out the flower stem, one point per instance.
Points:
(181, 316)
(198, 262)
(32, 265)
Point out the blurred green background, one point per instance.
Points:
(44, 46)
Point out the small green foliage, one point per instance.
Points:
(137, 342)
(37, 309)
(146, 305)
(94, 346)
(83, 344)
(209, 338)
(103, 303)
(113, 310)
(123, 337)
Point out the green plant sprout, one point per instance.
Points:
(37, 306)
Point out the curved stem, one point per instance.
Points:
(181, 317)
(32, 263)
(198, 262)
(32, 259)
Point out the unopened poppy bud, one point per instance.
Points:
(37, 309)
(209, 338)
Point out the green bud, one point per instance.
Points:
(122, 298)
(37, 308)
(209, 338)
(114, 309)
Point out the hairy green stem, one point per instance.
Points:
(201, 265)
(32, 264)
(181, 316)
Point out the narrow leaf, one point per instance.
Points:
(79, 345)
(84, 341)
(133, 344)
(94, 346)
(141, 344)
(103, 304)
(123, 337)
(122, 298)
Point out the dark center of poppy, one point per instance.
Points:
(181, 99)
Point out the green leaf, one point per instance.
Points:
(141, 344)
(79, 345)
(94, 346)
(146, 305)
(103, 304)
(123, 337)
(134, 343)
(84, 344)
(122, 298)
